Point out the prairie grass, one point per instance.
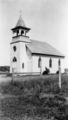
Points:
(41, 84)
(25, 102)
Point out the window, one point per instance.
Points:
(50, 63)
(14, 59)
(59, 62)
(22, 65)
(39, 62)
(14, 48)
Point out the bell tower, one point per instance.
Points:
(20, 29)
(18, 57)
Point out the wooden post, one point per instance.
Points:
(59, 74)
(59, 77)
(12, 75)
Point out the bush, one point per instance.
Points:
(57, 72)
(46, 72)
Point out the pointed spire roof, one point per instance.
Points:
(20, 22)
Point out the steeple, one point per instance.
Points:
(20, 22)
(20, 29)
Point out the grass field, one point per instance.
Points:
(32, 97)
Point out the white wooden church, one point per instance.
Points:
(31, 56)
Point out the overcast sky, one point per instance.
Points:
(48, 20)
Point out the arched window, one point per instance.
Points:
(50, 63)
(14, 48)
(22, 65)
(39, 62)
(14, 59)
(59, 62)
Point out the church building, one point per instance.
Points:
(31, 56)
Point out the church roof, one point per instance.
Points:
(20, 22)
(37, 47)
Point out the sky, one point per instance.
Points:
(48, 20)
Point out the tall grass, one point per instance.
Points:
(37, 85)
(27, 102)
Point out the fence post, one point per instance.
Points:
(12, 74)
(59, 63)
(59, 77)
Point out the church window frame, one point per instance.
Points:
(59, 62)
(50, 62)
(14, 48)
(14, 59)
(23, 65)
(39, 62)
